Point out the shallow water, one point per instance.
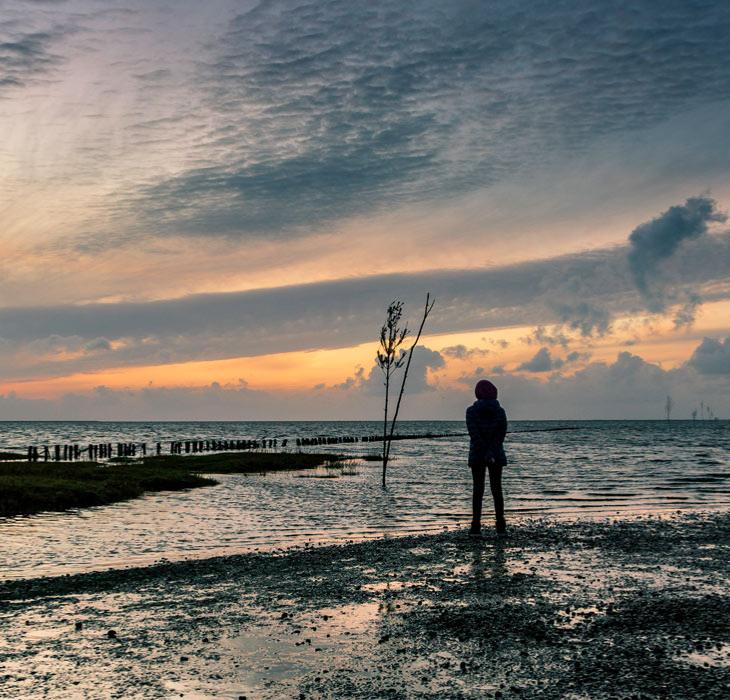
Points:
(597, 469)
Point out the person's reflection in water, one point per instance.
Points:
(490, 563)
(486, 422)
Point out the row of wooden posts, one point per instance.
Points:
(74, 452)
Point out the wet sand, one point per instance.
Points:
(615, 609)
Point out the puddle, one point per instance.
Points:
(283, 652)
(717, 658)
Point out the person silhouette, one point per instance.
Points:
(486, 422)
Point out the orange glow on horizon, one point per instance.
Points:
(654, 340)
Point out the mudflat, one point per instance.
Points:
(632, 608)
(33, 487)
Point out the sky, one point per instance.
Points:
(206, 208)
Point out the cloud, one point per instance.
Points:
(629, 387)
(423, 359)
(712, 357)
(320, 111)
(97, 344)
(588, 318)
(655, 241)
(575, 356)
(541, 361)
(346, 312)
(461, 352)
(25, 56)
(651, 247)
(686, 315)
(541, 336)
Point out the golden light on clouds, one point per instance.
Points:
(506, 348)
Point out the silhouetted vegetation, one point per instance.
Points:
(392, 357)
(27, 488)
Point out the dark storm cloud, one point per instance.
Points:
(657, 240)
(712, 356)
(323, 110)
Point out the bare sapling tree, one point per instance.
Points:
(407, 357)
(391, 357)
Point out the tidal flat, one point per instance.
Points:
(33, 487)
(630, 608)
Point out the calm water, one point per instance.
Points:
(598, 469)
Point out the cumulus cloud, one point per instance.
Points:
(541, 361)
(628, 387)
(658, 278)
(461, 352)
(541, 336)
(657, 240)
(575, 356)
(712, 357)
(424, 359)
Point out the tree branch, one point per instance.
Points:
(426, 311)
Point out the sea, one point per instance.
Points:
(557, 469)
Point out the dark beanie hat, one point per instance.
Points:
(485, 389)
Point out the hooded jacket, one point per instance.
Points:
(486, 422)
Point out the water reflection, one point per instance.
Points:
(598, 470)
(489, 559)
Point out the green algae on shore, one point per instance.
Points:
(32, 487)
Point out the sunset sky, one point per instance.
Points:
(206, 207)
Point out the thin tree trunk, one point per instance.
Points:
(386, 451)
(385, 423)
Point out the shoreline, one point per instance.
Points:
(517, 520)
(29, 488)
(603, 609)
